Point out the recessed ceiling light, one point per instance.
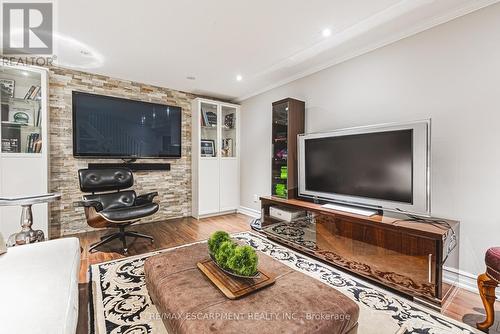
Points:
(239, 78)
(326, 32)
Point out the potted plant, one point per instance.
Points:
(236, 260)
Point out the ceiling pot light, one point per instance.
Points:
(326, 32)
(239, 78)
(75, 54)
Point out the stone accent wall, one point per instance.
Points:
(174, 186)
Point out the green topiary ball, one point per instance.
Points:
(224, 253)
(244, 261)
(216, 240)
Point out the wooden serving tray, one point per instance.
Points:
(234, 287)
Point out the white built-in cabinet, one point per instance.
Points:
(215, 157)
(24, 143)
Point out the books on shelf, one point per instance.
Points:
(37, 146)
(32, 93)
(34, 143)
(12, 143)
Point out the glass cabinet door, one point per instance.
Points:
(20, 100)
(228, 132)
(208, 124)
(280, 150)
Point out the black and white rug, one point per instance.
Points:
(120, 302)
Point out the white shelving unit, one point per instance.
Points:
(215, 157)
(24, 143)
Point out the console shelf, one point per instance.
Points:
(405, 256)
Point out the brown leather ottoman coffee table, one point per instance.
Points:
(188, 302)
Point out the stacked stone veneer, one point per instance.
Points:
(174, 186)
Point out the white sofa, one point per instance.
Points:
(39, 287)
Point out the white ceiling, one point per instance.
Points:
(267, 42)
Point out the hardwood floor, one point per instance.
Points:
(465, 306)
(167, 234)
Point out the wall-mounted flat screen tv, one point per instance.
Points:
(110, 127)
(382, 166)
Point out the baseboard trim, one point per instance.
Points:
(214, 214)
(249, 212)
(466, 280)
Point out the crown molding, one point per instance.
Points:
(467, 8)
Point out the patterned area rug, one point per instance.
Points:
(120, 302)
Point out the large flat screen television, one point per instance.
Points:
(110, 127)
(383, 166)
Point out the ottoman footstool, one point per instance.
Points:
(487, 283)
(188, 302)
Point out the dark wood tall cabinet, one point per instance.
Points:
(288, 122)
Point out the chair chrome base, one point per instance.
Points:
(119, 235)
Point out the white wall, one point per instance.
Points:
(451, 74)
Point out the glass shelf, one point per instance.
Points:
(24, 125)
(13, 100)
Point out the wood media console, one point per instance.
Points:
(406, 256)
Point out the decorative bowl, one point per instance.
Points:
(230, 273)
